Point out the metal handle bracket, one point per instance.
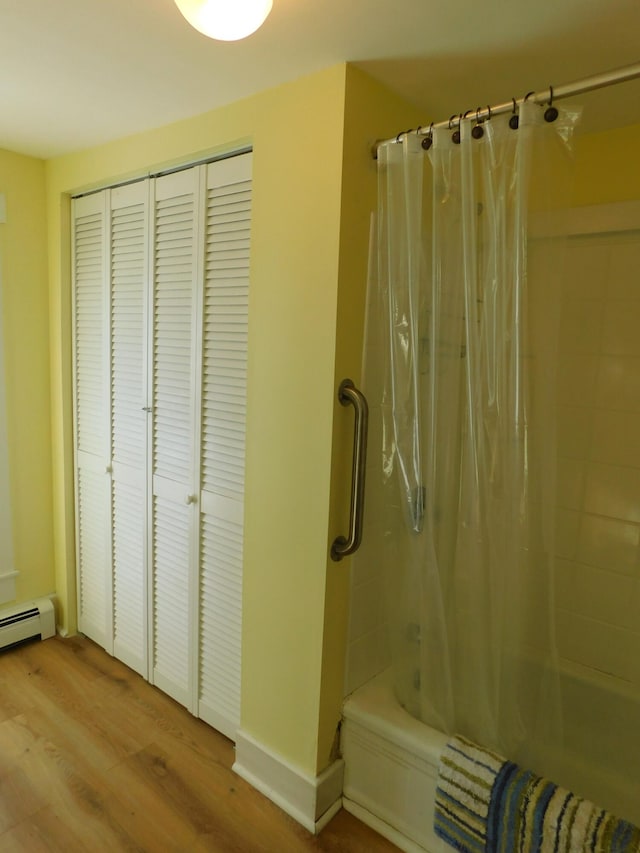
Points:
(348, 394)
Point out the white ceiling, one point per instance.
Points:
(75, 73)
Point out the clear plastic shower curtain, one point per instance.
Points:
(463, 311)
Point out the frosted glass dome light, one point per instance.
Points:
(225, 20)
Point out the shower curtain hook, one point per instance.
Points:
(455, 136)
(514, 121)
(427, 142)
(478, 130)
(551, 113)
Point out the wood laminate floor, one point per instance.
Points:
(92, 758)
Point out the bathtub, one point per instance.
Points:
(391, 759)
(391, 767)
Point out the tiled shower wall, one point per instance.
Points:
(598, 514)
(598, 527)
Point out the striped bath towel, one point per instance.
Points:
(484, 803)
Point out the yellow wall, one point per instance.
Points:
(371, 113)
(606, 167)
(296, 131)
(26, 336)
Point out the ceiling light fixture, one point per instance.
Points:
(225, 20)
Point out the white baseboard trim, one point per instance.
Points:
(311, 801)
(8, 587)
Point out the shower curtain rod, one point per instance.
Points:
(552, 93)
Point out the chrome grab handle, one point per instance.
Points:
(349, 394)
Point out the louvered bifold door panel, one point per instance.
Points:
(224, 382)
(91, 407)
(129, 285)
(176, 269)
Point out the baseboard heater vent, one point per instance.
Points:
(26, 622)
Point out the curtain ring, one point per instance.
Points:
(488, 112)
(528, 95)
(514, 120)
(450, 120)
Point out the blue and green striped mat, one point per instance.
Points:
(485, 804)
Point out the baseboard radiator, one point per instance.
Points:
(26, 622)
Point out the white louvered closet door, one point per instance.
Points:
(176, 258)
(91, 416)
(161, 281)
(129, 287)
(224, 381)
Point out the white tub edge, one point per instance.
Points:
(391, 767)
(374, 706)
